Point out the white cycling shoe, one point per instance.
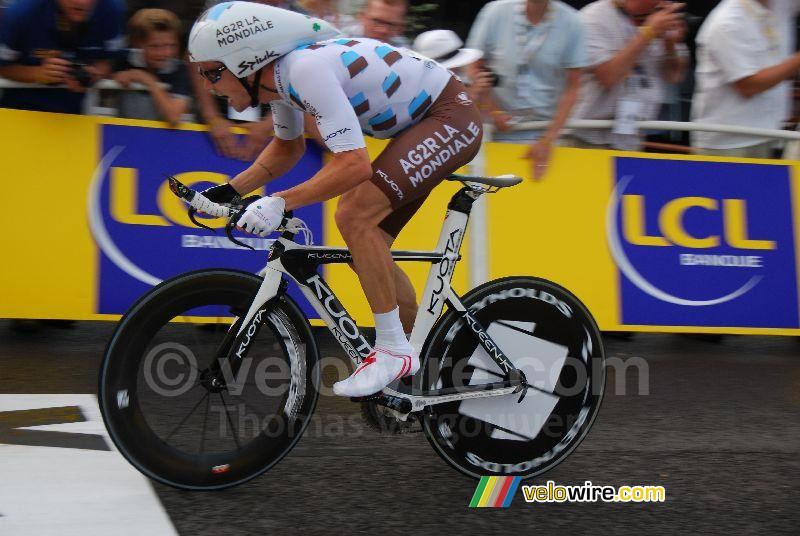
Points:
(379, 369)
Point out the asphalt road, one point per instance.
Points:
(716, 423)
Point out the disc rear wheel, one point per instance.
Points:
(550, 336)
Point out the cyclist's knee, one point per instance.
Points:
(351, 218)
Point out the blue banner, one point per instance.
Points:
(704, 243)
(142, 230)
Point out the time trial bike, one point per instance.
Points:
(511, 379)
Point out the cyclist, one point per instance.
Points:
(252, 54)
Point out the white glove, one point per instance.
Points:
(263, 216)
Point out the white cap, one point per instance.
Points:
(444, 47)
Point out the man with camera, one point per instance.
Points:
(636, 48)
(66, 44)
(535, 52)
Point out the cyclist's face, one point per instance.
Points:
(76, 10)
(159, 48)
(220, 81)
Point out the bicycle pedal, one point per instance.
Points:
(372, 397)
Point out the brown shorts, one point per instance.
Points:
(422, 156)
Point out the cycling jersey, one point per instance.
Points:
(354, 87)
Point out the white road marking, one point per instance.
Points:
(77, 492)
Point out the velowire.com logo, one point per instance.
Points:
(495, 491)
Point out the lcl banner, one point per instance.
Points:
(655, 242)
(704, 244)
(142, 230)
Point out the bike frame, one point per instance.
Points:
(301, 263)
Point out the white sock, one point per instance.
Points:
(389, 332)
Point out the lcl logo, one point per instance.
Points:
(126, 196)
(729, 215)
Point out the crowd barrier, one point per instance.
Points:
(647, 242)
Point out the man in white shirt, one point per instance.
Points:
(744, 62)
(636, 48)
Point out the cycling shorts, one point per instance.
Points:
(416, 160)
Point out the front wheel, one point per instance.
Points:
(162, 400)
(552, 338)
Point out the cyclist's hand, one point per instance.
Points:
(263, 216)
(223, 138)
(539, 153)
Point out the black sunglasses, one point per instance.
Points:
(212, 75)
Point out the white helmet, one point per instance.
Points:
(246, 36)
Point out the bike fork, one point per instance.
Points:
(243, 332)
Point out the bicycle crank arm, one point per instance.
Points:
(413, 403)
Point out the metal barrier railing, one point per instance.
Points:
(668, 125)
(92, 105)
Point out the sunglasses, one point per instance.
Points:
(212, 75)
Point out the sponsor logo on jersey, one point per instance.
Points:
(337, 133)
(435, 151)
(463, 99)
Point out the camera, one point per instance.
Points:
(80, 74)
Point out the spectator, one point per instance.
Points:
(186, 11)
(154, 60)
(744, 62)
(57, 42)
(384, 20)
(536, 50)
(636, 48)
(444, 47)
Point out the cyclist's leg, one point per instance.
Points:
(357, 216)
(433, 144)
(406, 295)
(412, 164)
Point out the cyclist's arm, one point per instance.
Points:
(342, 173)
(277, 158)
(320, 91)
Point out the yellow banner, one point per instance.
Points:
(647, 242)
